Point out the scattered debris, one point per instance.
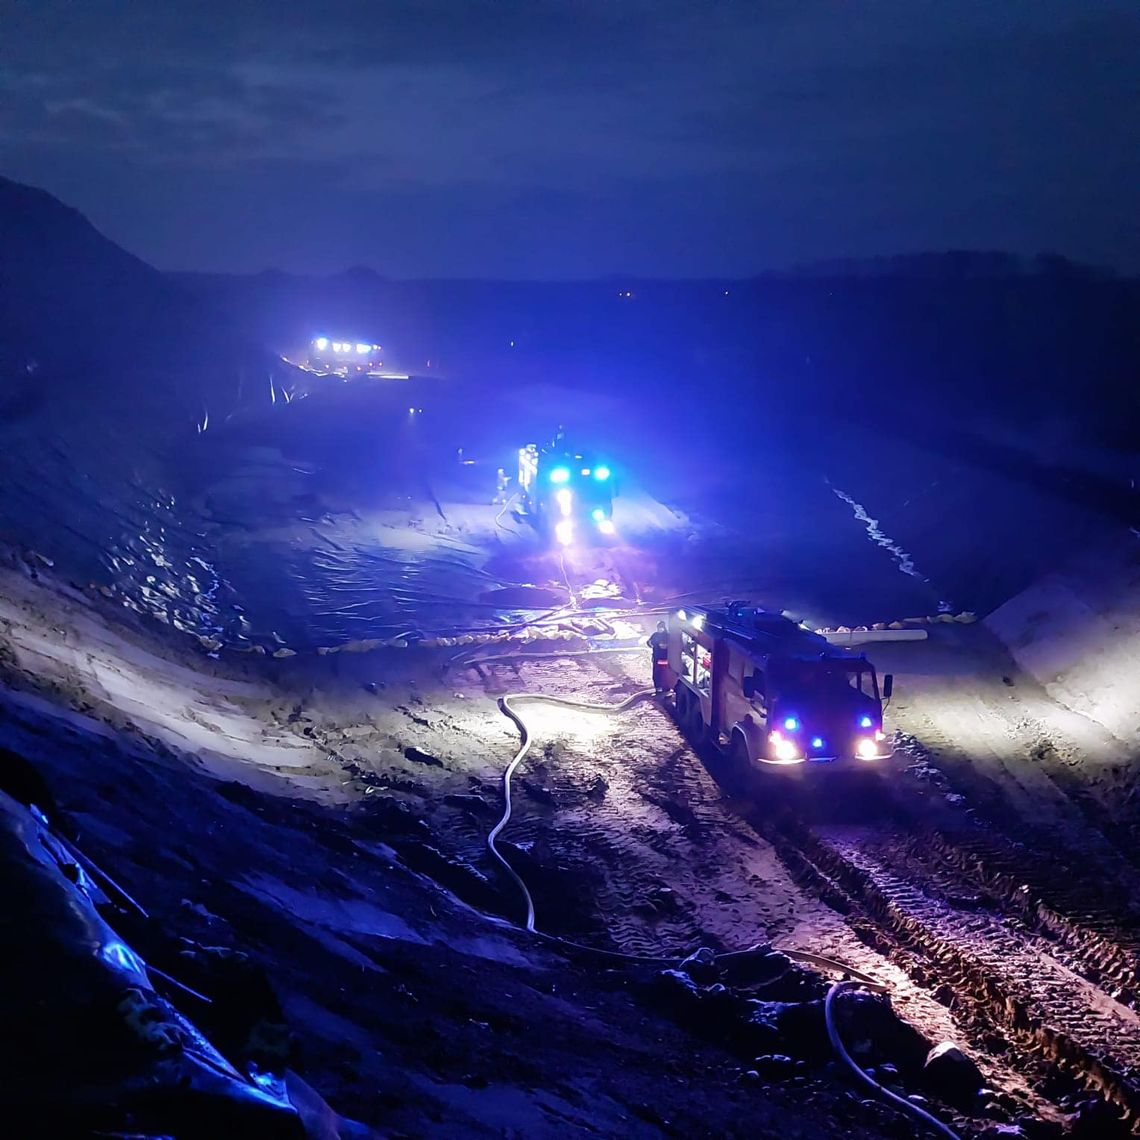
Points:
(953, 1075)
(419, 756)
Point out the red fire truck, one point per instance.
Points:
(772, 692)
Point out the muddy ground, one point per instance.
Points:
(414, 1007)
(329, 814)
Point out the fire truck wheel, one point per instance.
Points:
(738, 752)
(689, 715)
(681, 705)
(697, 727)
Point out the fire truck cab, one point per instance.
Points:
(772, 692)
(570, 492)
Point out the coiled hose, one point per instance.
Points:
(855, 978)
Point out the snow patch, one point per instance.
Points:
(904, 561)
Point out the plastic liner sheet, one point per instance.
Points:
(93, 1048)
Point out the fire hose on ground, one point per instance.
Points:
(863, 1077)
(854, 978)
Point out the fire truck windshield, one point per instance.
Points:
(829, 680)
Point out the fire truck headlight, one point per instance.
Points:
(564, 532)
(606, 526)
(785, 750)
(866, 749)
(322, 342)
(560, 475)
(363, 348)
(601, 473)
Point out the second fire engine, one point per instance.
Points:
(772, 692)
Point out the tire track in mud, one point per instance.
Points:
(670, 865)
(636, 843)
(1074, 883)
(1093, 933)
(909, 898)
(713, 854)
(1031, 996)
(1075, 822)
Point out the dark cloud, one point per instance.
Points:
(543, 138)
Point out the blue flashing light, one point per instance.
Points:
(597, 514)
(560, 475)
(791, 724)
(865, 722)
(817, 742)
(601, 473)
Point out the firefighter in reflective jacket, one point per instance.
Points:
(659, 649)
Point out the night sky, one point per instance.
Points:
(526, 138)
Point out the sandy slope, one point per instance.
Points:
(411, 1010)
(1077, 629)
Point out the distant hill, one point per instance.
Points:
(78, 312)
(953, 339)
(949, 265)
